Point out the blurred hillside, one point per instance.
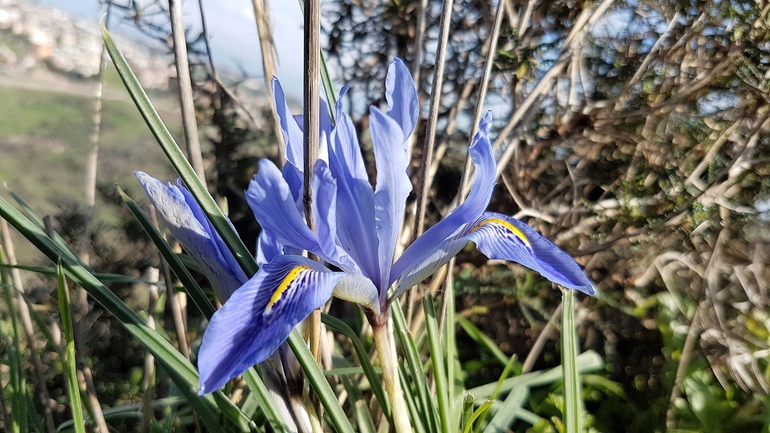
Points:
(49, 62)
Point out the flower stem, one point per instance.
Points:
(386, 350)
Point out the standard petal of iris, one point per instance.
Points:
(344, 145)
(259, 317)
(186, 221)
(292, 133)
(428, 264)
(325, 216)
(393, 187)
(267, 248)
(505, 238)
(355, 198)
(275, 209)
(477, 201)
(403, 105)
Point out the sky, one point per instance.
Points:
(232, 32)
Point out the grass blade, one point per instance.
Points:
(453, 368)
(411, 404)
(363, 357)
(213, 409)
(263, 397)
(506, 372)
(509, 410)
(587, 362)
(317, 379)
(50, 270)
(177, 158)
(69, 338)
(428, 412)
(483, 341)
(193, 289)
(326, 80)
(356, 400)
(438, 359)
(19, 396)
(38, 220)
(479, 412)
(569, 349)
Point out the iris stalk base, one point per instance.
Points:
(386, 350)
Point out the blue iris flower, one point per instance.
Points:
(357, 227)
(184, 217)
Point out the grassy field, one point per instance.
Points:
(45, 137)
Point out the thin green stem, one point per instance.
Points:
(437, 357)
(572, 401)
(69, 335)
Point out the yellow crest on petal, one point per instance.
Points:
(285, 284)
(505, 224)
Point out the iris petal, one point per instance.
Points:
(325, 216)
(501, 237)
(393, 187)
(429, 263)
(505, 238)
(267, 248)
(259, 317)
(292, 133)
(276, 210)
(324, 131)
(345, 147)
(360, 290)
(403, 105)
(477, 201)
(355, 198)
(187, 222)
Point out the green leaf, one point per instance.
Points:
(263, 397)
(331, 97)
(587, 362)
(363, 358)
(503, 376)
(479, 412)
(20, 397)
(69, 338)
(356, 399)
(193, 289)
(428, 412)
(453, 369)
(438, 359)
(317, 379)
(409, 398)
(509, 410)
(484, 341)
(573, 402)
(463, 417)
(704, 404)
(177, 158)
(49, 270)
(210, 408)
(131, 411)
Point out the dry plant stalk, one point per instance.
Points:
(29, 330)
(187, 104)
